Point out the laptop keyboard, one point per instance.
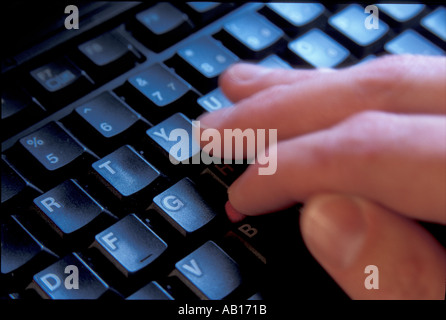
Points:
(87, 182)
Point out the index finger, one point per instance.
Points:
(400, 84)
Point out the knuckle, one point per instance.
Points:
(376, 83)
(360, 136)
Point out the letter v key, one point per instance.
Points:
(193, 268)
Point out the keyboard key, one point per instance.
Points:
(350, 22)
(174, 137)
(21, 252)
(251, 36)
(225, 174)
(160, 26)
(127, 174)
(107, 56)
(262, 235)
(48, 155)
(151, 291)
(70, 278)
(319, 50)
(402, 15)
(108, 114)
(105, 122)
(130, 245)
(214, 100)
(412, 42)
(52, 146)
(204, 12)
(71, 211)
(19, 110)
(273, 61)
(58, 83)
(12, 183)
(201, 61)
(435, 23)
(16, 190)
(295, 18)
(157, 92)
(185, 207)
(209, 272)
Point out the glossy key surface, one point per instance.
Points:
(126, 171)
(130, 244)
(185, 207)
(210, 272)
(52, 283)
(319, 49)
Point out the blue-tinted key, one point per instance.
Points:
(69, 278)
(401, 13)
(351, 22)
(105, 123)
(20, 248)
(16, 190)
(214, 100)
(251, 35)
(185, 207)
(158, 92)
(159, 85)
(107, 114)
(56, 75)
(107, 56)
(435, 23)
(412, 42)
(209, 272)
(174, 136)
(162, 18)
(295, 17)
(19, 109)
(151, 291)
(201, 61)
(68, 208)
(203, 12)
(59, 82)
(273, 61)
(52, 146)
(161, 25)
(319, 50)
(130, 245)
(126, 172)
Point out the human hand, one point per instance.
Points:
(365, 149)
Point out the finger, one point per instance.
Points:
(242, 80)
(347, 234)
(400, 84)
(395, 160)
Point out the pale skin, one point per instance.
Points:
(364, 148)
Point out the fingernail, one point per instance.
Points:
(334, 229)
(233, 215)
(243, 72)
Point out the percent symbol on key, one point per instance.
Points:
(34, 142)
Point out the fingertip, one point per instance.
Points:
(233, 215)
(215, 119)
(241, 80)
(244, 72)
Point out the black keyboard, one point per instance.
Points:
(87, 183)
